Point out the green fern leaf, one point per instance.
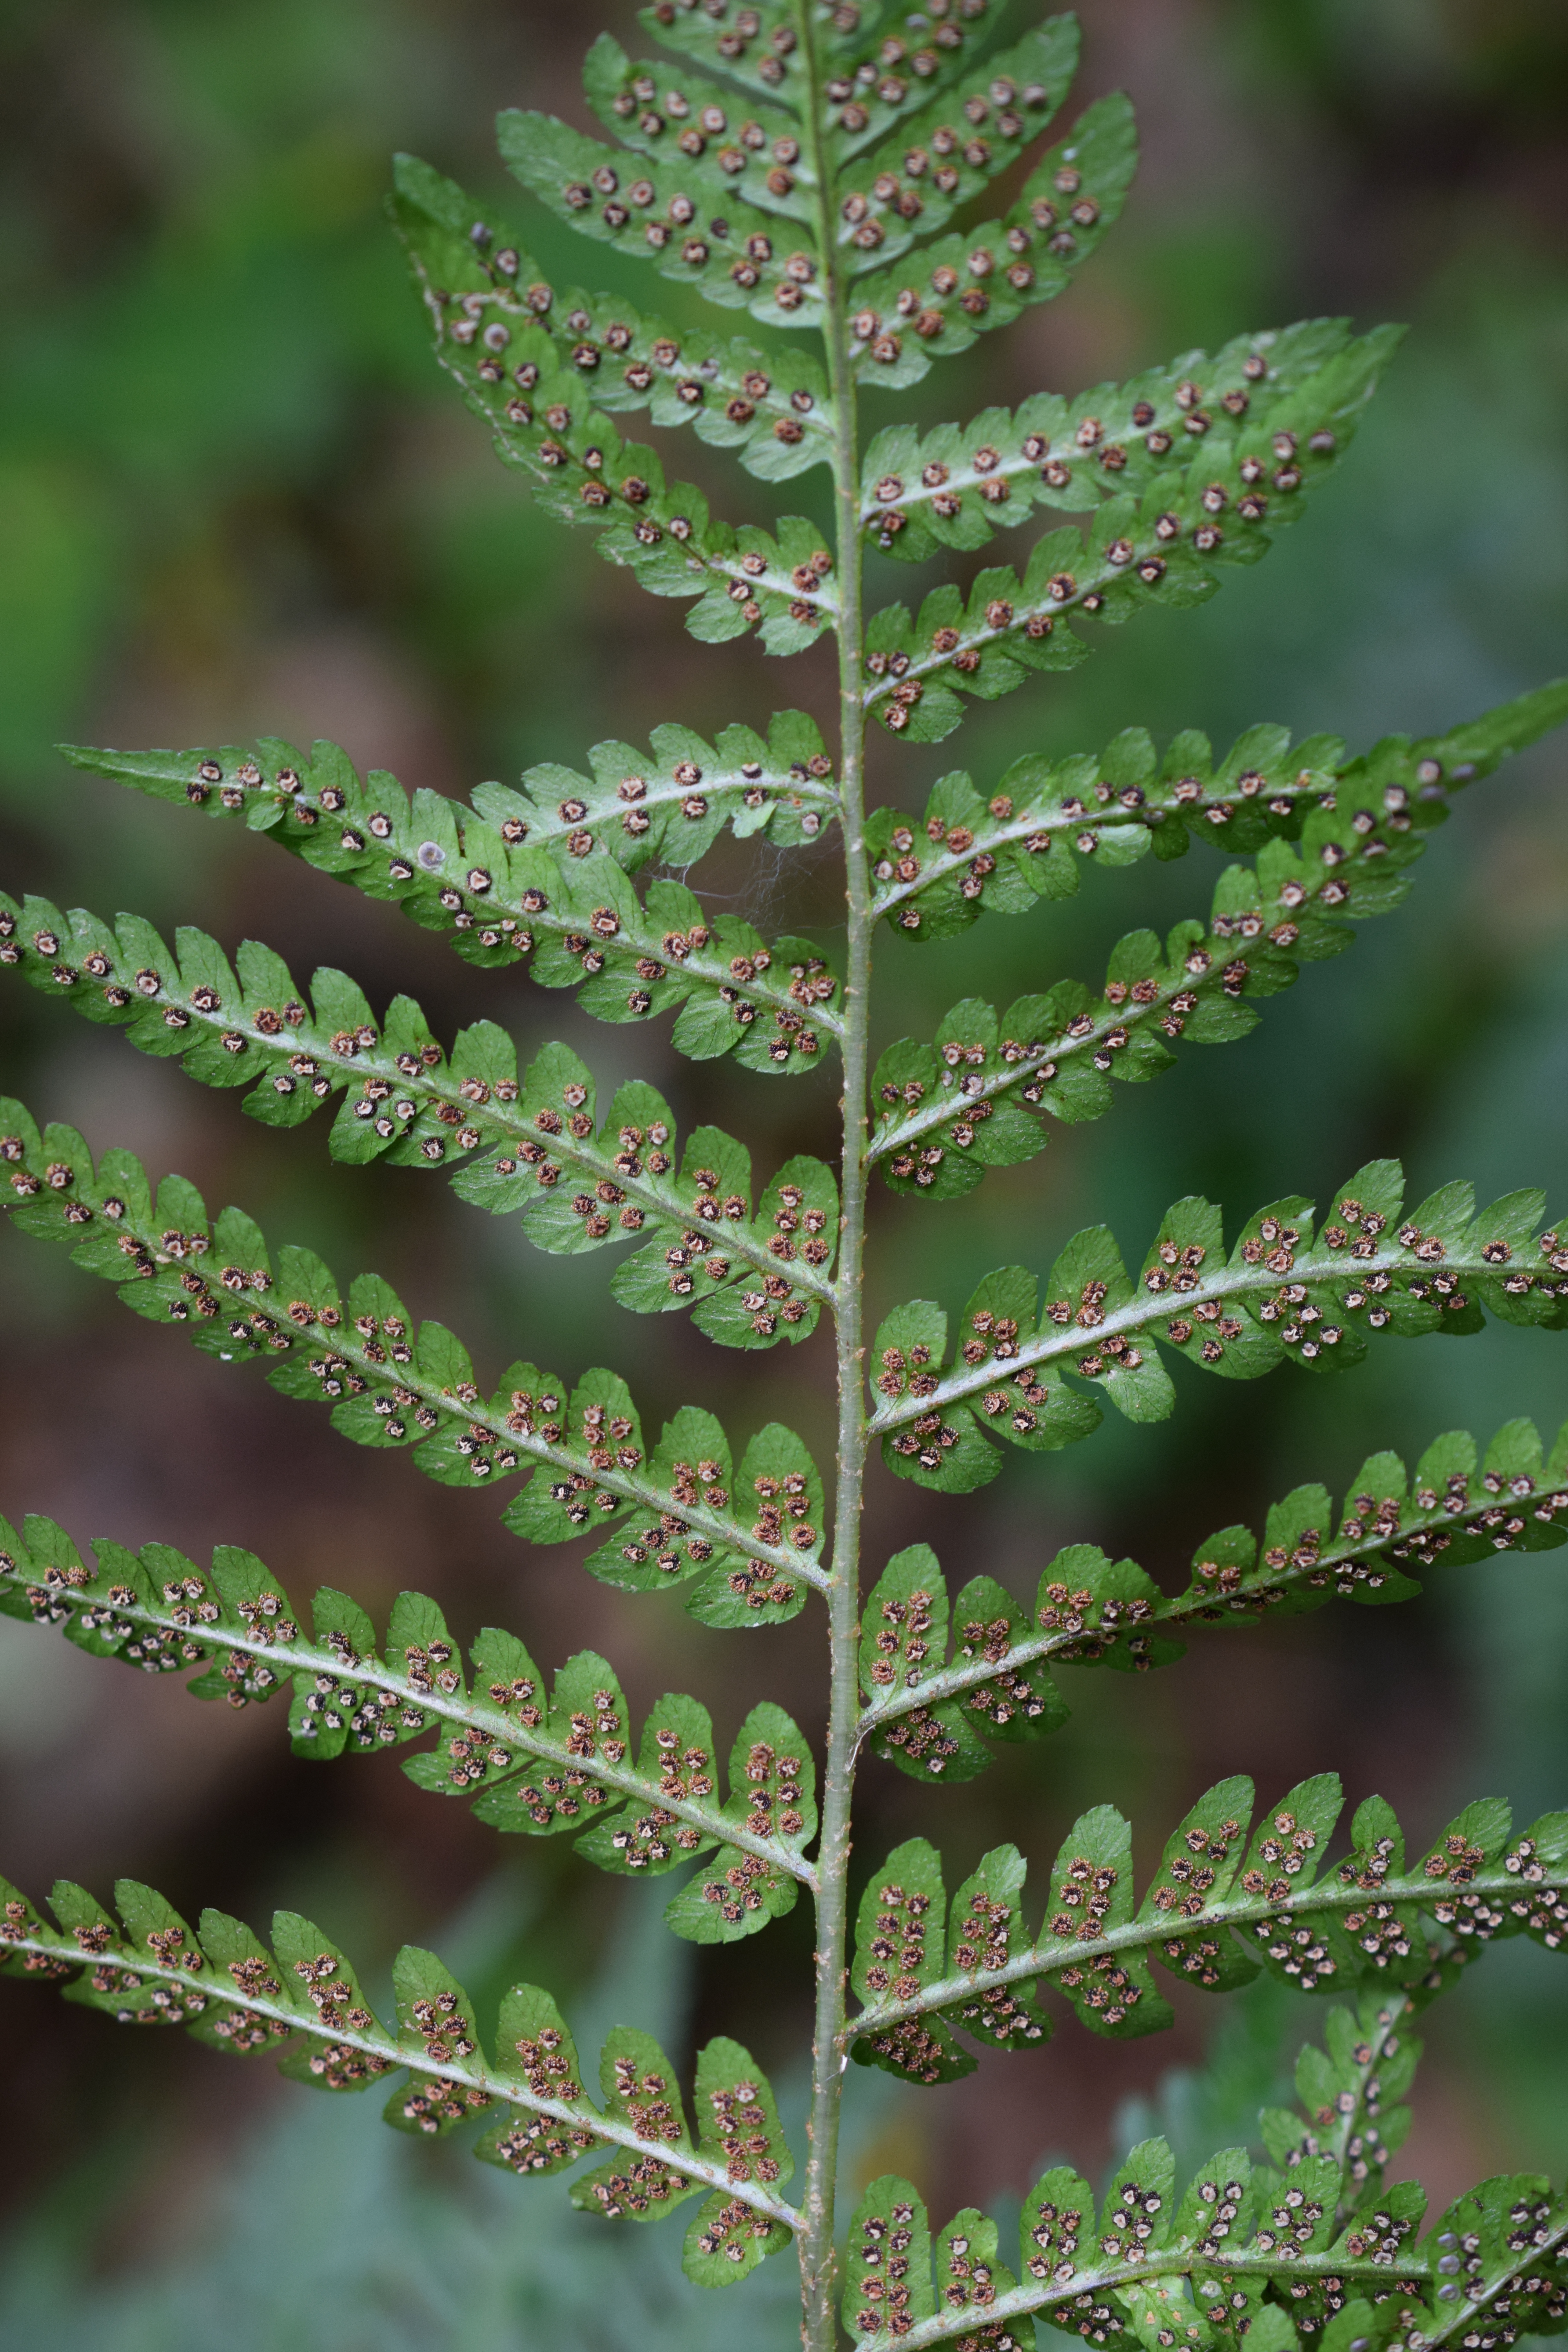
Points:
(1140, 2204)
(587, 1719)
(739, 1587)
(419, 1110)
(390, 1385)
(661, 208)
(888, 2288)
(954, 487)
(538, 2142)
(772, 408)
(639, 2089)
(780, 784)
(482, 290)
(762, 54)
(1091, 1895)
(1505, 2241)
(1197, 2271)
(936, 301)
(904, 1643)
(952, 1108)
(1282, 1296)
(738, 2125)
(578, 920)
(960, 1107)
(973, 856)
(811, 162)
(773, 1795)
(931, 1717)
(940, 159)
(1092, 1611)
(802, 1199)
(1153, 549)
(438, 2022)
(1218, 2201)
(1057, 2221)
(967, 2269)
(875, 71)
(302, 2002)
(725, 2241)
(677, 1762)
(899, 1953)
(1202, 1860)
(986, 1931)
(726, 158)
(1375, 1920)
(528, 385)
(1368, 2057)
(528, 1761)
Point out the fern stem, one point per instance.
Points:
(818, 2259)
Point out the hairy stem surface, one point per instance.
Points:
(818, 2322)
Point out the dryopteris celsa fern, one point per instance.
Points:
(804, 163)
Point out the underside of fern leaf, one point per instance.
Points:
(875, 192)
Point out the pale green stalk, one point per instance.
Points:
(818, 2261)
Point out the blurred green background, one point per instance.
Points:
(234, 496)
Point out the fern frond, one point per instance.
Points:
(783, 583)
(580, 180)
(1282, 1296)
(879, 63)
(951, 1109)
(391, 1385)
(1369, 2056)
(971, 856)
(301, 2004)
(725, 159)
(1373, 1918)
(760, 50)
(635, 808)
(782, 786)
(527, 1757)
(759, 248)
(577, 918)
(1136, 551)
(940, 1732)
(773, 1795)
(1501, 2260)
(665, 535)
(810, 162)
(956, 485)
(1198, 2274)
(936, 302)
(533, 386)
(907, 185)
(506, 1142)
(932, 1718)
(772, 407)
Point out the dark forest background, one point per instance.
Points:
(236, 496)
